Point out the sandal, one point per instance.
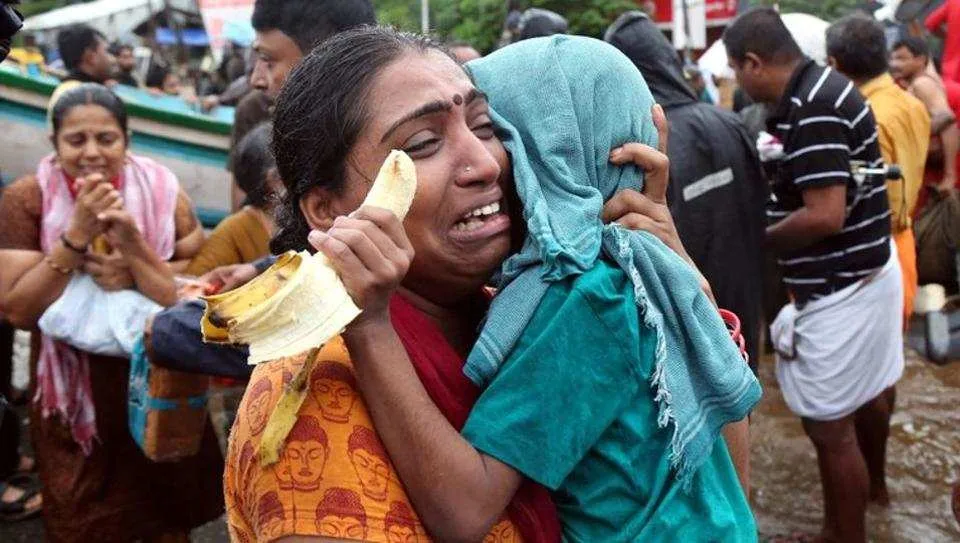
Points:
(18, 509)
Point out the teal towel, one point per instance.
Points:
(562, 104)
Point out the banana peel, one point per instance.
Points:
(298, 305)
(284, 415)
(100, 245)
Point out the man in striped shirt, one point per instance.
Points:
(839, 343)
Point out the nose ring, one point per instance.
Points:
(467, 169)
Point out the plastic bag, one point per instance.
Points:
(91, 319)
(938, 238)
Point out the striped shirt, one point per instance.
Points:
(827, 130)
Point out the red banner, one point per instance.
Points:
(717, 10)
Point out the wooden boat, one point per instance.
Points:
(192, 144)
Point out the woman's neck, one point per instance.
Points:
(459, 323)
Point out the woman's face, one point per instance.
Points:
(90, 141)
(425, 105)
(171, 84)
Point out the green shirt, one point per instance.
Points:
(573, 409)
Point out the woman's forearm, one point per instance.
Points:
(153, 277)
(178, 267)
(458, 492)
(27, 297)
(188, 246)
(737, 437)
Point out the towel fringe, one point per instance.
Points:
(658, 381)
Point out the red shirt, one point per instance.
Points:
(948, 13)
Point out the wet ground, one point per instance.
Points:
(923, 463)
(923, 460)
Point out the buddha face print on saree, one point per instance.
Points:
(341, 514)
(334, 388)
(304, 456)
(244, 494)
(257, 410)
(270, 515)
(400, 524)
(370, 462)
(503, 532)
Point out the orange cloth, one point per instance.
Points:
(238, 239)
(907, 254)
(334, 478)
(903, 128)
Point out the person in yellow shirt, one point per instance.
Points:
(856, 47)
(29, 57)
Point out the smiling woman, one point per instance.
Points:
(93, 208)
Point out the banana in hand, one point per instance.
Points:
(298, 305)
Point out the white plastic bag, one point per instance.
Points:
(96, 321)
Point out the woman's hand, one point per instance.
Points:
(372, 254)
(111, 272)
(647, 211)
(209, 102)
(120, 229)
(94, 197)
(152, 276)
(227, 278)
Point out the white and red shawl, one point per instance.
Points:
(149, 192)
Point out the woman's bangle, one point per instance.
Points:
(733, 326)
(57, 267)
(71, 246)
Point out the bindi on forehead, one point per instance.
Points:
(457, 99)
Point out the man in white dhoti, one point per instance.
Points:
(839, 342)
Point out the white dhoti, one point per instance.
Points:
(841, 351)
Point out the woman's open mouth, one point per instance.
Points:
(90, 170)
(480, 223)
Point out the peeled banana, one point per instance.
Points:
(299, 304)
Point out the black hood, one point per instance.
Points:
(638, 37)
(536, 23)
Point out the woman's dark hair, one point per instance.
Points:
(320, 113)
(156, 76)
(88, 94)
(252, 161)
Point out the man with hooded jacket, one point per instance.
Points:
(717, 194)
